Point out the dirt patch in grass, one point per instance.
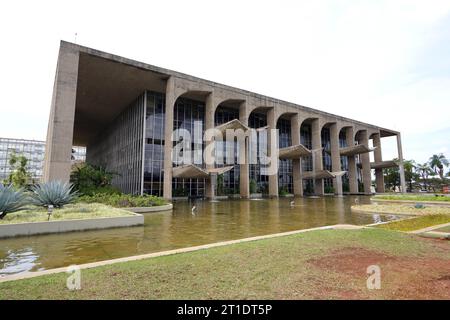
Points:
(401, 277)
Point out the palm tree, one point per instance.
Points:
(437, 163)
(424, 171)
(409, 167)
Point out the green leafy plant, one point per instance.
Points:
(89, 179)
(55, 193)
(124, 200)
(11, 200)
(19, 177)
(253, 186)
(283, 191)
(329, 189)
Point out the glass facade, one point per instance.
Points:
(186, 113)
(258, 120)
(230, 182)
(307, 162)
(154, 144)
(326, 158)
(285, 179)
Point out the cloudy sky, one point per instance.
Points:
(382, 62)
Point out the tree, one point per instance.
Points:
(19, 177)
(391, 178)
(410, 175)
(437, 163)
(424, 171)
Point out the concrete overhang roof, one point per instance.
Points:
(322, 174)
(353, 150)
(294, 152)
(104, 89)
(193, 171)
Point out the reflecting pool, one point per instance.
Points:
(212, 222)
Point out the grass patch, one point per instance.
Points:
(288, 267)
(68, 212)
(413, 197)
(443, 229)
(402, 209)
(416, 223)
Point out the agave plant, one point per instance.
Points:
(11, 200)
(55, 193)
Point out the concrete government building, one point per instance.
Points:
(125, 111)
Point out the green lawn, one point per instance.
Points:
(402, 209)
(328, 264)
(444, 229)
(68, 212)
(416, 223)
(412, 197)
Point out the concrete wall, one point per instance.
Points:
(34, 228)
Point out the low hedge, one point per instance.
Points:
(123, 200)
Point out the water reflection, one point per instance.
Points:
(213, 222)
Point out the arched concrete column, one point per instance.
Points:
(273, 144)
(316, 137)
(244, 178)
(171, 97)
(365, 161)
(297, 163)
(352, 171)
(335, 157)
(210, 108)
(379, 178)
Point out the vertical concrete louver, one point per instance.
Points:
(119, 148)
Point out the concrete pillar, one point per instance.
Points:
(365, 160)
(210, 185)
(296, 163)
(401, 168)
(244, 178)
(352, 172)
(168, 129)
(335, 158)
(316, 137)
(272, 124)
(379, 178)
(58, 149)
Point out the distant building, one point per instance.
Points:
(34, 151)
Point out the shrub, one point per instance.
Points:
(253, 186)
(328, 189)
(89, 179)
(283, 191)
(11, 200)
(55, 193)
(124, 200)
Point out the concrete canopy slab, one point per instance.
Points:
(354, 150)
(294, 152)
(219, 170)
(234, 124)
(189, 171)
(322, 174)
(193, 171)
(383, 164)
